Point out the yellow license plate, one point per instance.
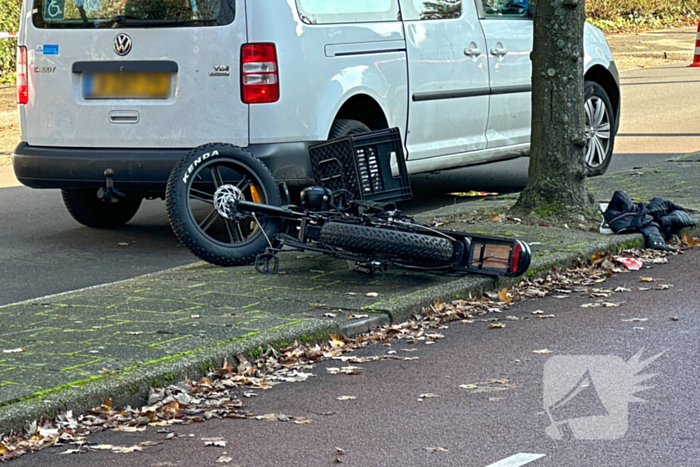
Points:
(127, 85)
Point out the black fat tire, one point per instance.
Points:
(394, 244)
(591, 90)
(185, 226)
(87, 209)
(344, 127)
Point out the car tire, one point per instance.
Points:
(600, 128)
(345, 127)
(89, 210)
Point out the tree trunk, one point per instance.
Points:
(556, 183)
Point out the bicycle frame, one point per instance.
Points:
(473, 254)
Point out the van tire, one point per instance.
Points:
(345, 127)
(87, 209)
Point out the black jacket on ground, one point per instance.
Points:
(653, 219)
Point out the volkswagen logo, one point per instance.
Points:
(122, 44)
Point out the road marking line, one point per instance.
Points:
(517, 460)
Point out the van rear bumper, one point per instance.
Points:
(139, 169)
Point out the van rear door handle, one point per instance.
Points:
(498, 51)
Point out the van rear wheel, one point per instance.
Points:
(87, 209)
(345, 127)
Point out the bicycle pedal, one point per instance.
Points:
(368, 268)
(267, 263)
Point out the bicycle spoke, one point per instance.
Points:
(201, 196)
(209, 220)
(244, 183)
(233, 232)
(216, 176)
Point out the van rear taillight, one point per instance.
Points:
(259, 77)
(22, 77)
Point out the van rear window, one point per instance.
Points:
(91, 14)
(347, 11)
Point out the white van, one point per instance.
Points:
(133, 85)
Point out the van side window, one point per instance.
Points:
(347, 11)
(431, 9)
(507, 8)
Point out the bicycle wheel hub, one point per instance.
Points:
(224, 198)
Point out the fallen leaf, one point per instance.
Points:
(336, 342)
(543, 351)
(691, 241)
(126, 449)
(268, 417)
(503, 296)
(647, 279)
(150, 443)
(546, 316)
(496, 325)
(303, 421)
(350, 370)
(438, 449)
(472, 193)
(223, 460)
(329, 315)
(217, 444)
(371, 294)
(97, 447)
(317, 271)
(79, 450)
(346, 398)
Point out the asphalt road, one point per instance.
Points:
(43, 251)
(387, 425)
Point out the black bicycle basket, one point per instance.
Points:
(371, 166)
